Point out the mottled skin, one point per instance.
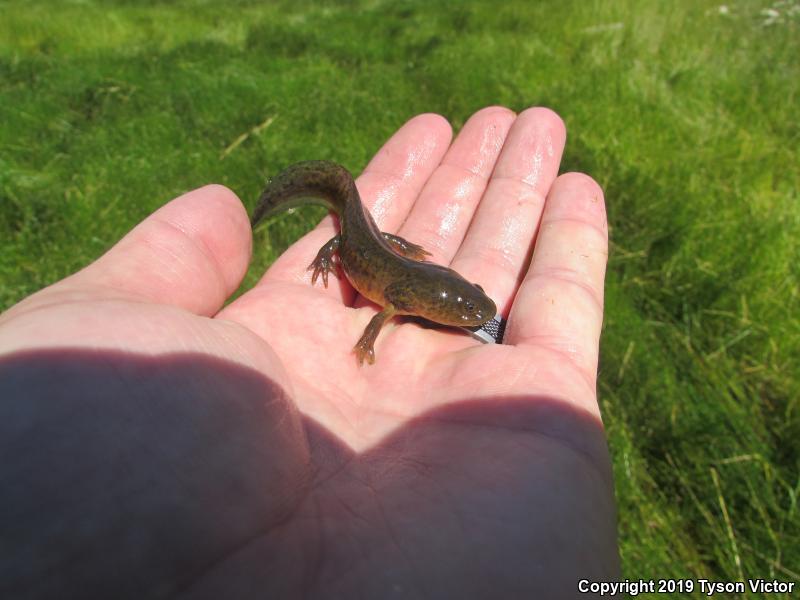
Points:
(382, 267)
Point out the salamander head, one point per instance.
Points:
(449, 299)
(469, 304)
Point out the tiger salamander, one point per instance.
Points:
(383, 267)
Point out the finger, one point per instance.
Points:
(191, 253)
(560, 302)
(497, 247)
(388, 187)
(442, 213)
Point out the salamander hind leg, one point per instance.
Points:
(324, 263)
(365, 347)
(405, 248)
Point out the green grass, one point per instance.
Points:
(688, 117)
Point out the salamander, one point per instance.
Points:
(384, 268)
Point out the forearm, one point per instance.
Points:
(127, 474)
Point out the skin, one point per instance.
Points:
(158, 443)
(382, 267)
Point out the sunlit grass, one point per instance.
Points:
(684, 111)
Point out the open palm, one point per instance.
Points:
(446, 467)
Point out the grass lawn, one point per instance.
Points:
(685, 111)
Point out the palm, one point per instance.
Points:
(313, 334)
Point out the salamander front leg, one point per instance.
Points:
(405, 248)
(365, 346)
(324, 263)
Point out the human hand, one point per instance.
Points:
(258, 457)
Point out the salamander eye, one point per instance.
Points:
(469, 305)
(479, 287)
